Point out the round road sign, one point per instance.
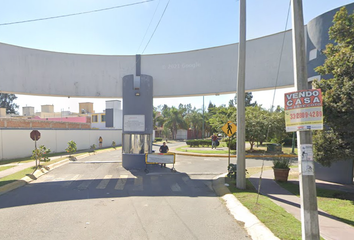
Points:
(35, 135)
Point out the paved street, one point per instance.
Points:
(95, 198)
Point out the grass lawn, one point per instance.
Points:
(256, 150)
(281, 223)
(337, 203)
(211, 151)
(16, 176)
(5, 167)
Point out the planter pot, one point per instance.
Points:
(281, 175)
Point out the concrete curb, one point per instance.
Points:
(38, 173)
(233, 156)
(255, 228)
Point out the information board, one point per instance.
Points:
(153, 158)
(134, 123)
(303, 110)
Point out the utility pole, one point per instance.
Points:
(309, 214)
(241, 74)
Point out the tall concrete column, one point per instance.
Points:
(241, 130)
(309, 214)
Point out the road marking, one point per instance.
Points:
(186, 180)
(175, 187)
(85, 184)
(70, 180)
(103, 184)
(138, 184)
(156, 183)
(121, 182)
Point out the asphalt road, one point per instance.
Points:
(95, 198)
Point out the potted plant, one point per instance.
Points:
(281, 168)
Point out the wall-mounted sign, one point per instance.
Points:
(303, 110)
(134, 123)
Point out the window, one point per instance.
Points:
(94, 118)
(313, 54)
(103, 118)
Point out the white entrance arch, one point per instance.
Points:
(199, 72)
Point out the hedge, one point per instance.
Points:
(198, 142)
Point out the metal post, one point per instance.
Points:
(229, 152)
(241, 73)
(293, 144)
(309, 214)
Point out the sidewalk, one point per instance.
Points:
(21, 166)
(330, 228)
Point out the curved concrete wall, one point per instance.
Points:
(318, 38)
(206, 71)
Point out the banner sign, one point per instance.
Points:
(154, 158)
(303, 110)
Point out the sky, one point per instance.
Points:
(132, 27)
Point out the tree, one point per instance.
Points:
(195, 120)
(257, 123)
(336, 142)
(248, 100)
(219, 116)
(6, 101)
(174, 119)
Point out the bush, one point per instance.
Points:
(199, 142)
(288, 142)
(158, 139)
(41, 154)
(114, 144)
(71, 147)
(282, 163)
(232, 144)
(93, 147)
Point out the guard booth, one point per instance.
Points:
(137, 120)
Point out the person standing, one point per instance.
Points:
(164, 149)
(214, 138)
(100, 140)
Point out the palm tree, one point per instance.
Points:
(174, 120)
(195, 120)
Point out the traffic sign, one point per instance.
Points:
(35, 135)
(229, 128)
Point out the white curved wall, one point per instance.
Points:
(199, 72)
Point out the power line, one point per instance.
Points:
(149, 25)
(281, 54)
(156, 26)
(74, 14)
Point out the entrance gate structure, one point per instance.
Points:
(269, 64)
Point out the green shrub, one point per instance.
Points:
(199, 142)
(93, 147)
(232, 144)
(71, 147)
(282, 163)
(41, 154)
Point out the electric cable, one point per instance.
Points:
(152, 18)
(163, 13)
(275, 89)
(75, 14)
